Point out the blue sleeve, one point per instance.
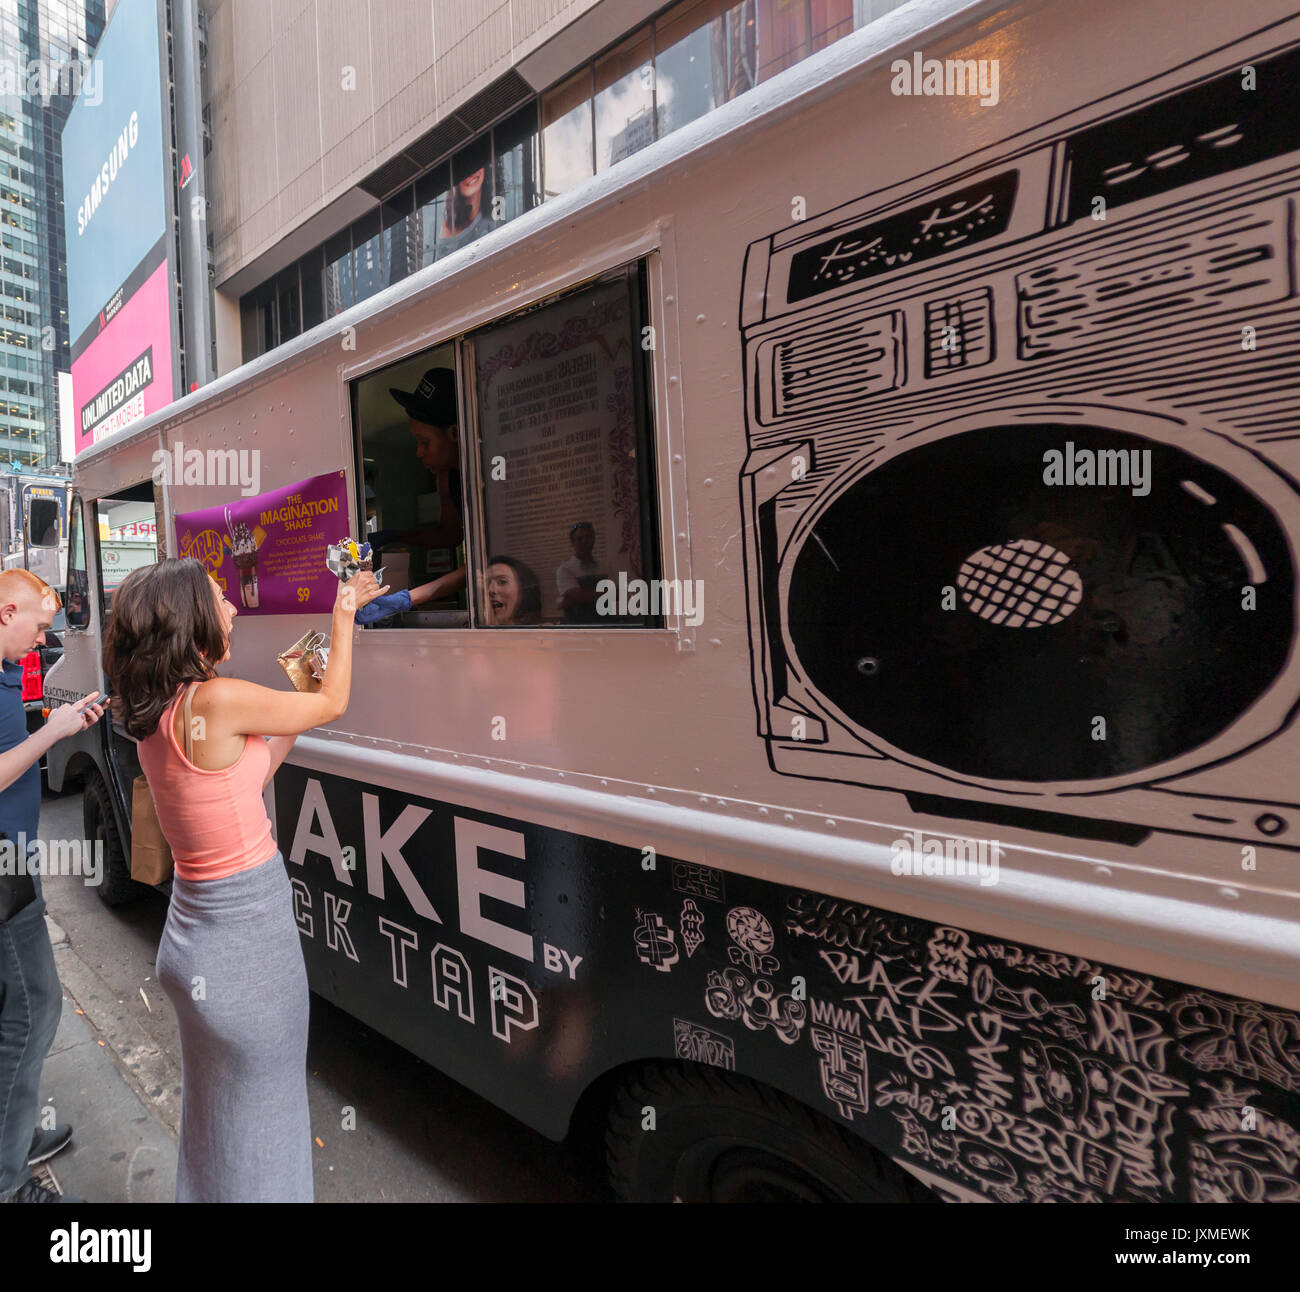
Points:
(382, 607)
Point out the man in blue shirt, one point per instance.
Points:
(30, 996)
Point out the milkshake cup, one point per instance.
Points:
(248, 581)
(243, 550)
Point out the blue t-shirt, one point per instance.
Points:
(20, 804)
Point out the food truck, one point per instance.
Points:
(33, 524)
(862, 758)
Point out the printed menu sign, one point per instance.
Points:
(555, 394)
(268, 552)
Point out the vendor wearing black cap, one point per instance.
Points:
(431, 407)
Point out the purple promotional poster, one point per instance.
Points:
(268, 552)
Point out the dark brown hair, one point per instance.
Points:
(164, 630)
(529, 610)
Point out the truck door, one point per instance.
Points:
(43, 537)
(124, 538)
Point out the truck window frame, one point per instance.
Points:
(635, 273)
(77, 540)
(653, 251)
(148, 492)
(351, 394)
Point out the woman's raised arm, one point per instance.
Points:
(244, 708)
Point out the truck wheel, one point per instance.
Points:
(117, 887)
(718, 1137)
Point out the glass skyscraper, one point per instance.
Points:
(41, 42)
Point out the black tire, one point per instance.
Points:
(117, 887)
(723, 1138)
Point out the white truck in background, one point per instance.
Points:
(33, 525)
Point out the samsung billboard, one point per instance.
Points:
(116, 197)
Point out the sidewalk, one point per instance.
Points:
(119, 1151)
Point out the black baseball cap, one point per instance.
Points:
(433, 401)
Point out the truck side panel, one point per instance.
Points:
(525, 961)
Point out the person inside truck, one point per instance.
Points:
(513, 593)
(431, 408)
(576, 579)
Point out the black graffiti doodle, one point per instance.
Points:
(949, 955)
(1133, 988)
(729, 994)
(926, 1101)
(1241, 1168)
(1026, 1004)
(1058, 1080)
(900, 1014)
(655, 942)
(986, 1165)
(1045, 1187)
(867, 931)
(1247, 1154)
(1244, 1037)
(1126, 1108)
(1048, 964)
(691, 922)
(994, 1080)
(754, 939)
(990, 1170)
(1065, 1152)
(843, 1067)
(700, 1045)
(699, 881)
(1229, 1108)
(1128, 1034)
(914, 1005)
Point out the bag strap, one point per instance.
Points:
(189, 700)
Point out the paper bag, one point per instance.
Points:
(151, 855)
(305, 661)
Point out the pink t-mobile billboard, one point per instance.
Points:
(125, 373)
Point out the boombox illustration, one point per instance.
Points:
(1021, 492)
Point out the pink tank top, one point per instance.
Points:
(215, 821)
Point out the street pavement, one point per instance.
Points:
(114, 1072)
(119, 1151)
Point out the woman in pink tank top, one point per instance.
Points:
(230, 959)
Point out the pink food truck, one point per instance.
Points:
(863, 756)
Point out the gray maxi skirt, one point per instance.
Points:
(231, 963)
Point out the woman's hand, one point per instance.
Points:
(367, 588)
(358, 591)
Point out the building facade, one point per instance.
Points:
(354, 142)
(43, 47)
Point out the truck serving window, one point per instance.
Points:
(408, 419)
(565, 461)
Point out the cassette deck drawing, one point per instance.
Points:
(1102, 650)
